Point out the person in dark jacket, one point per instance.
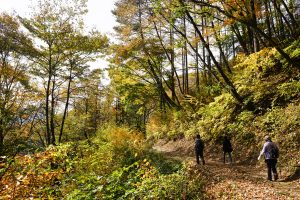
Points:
(271, 153)
(227, 148)
(199, 147)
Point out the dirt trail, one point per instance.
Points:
(232, 181)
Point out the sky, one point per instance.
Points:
(99, 16)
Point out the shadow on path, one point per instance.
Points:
(293, 177)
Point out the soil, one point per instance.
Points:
(243, 179)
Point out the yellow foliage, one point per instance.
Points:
(122, 137)
(27, 183)
(195, 41)
(250, 68)
(126, 31)
(126, 10)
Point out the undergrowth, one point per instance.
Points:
(116, 164)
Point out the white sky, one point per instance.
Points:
(99, 16)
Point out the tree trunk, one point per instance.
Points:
(256, 46)
(67, 103)
(171, 59)
(222, 54)
(160, 88)
(172, 62)
(154, 66)
(86, 122)
(186, 67)
(197, 66)
(282, 16)
(255, 28)
(203, 60)
(52, 114)
(48, 132)
(268, 21)
(225, 78)
(1, 136)
(272, 20)
(243, 44)
(293, 20)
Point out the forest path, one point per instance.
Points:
(239, 180)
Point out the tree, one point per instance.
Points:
(82, 49)
(57, 29)
(139, 51)
(91, 104)
(14, 77)
(240, 12)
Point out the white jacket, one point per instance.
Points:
(266, 150)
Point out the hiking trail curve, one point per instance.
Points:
(239, 180)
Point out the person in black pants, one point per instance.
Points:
(227, 148)
(271, 153)
(199, 147)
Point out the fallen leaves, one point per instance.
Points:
(242, 182)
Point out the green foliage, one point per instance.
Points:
(216, 116)
(117, 165)
(143, 181)
(293, 49)
(114, 165)
(251, 70)
(289, 90)
(163, 165)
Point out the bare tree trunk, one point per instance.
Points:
(183, 70)
(207, 66)
(86, 123)
(67, 103)
(154, 68)
(52, 114)
(256, 46)
(48, 131)
(186, 67)
(172, 62)
(197, 66)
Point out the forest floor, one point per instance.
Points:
(241, 180)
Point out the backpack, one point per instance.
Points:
(274, 152)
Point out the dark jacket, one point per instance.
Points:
(199, 145)
(227, 145)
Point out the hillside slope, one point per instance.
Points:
(241, 180)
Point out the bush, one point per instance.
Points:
(143, 181)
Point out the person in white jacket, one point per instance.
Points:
(271, 154)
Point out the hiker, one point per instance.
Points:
(227, 148)
(271, 153)
(199, 147)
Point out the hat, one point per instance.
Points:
(267, 138)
